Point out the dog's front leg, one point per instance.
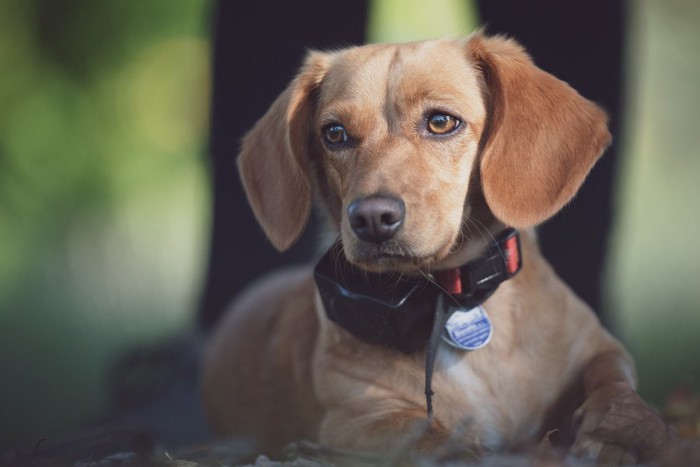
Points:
(614, 425)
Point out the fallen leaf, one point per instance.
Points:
(617, 415)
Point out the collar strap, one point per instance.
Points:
(479, 278)
(390, 310)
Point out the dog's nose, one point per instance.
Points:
(376, 218)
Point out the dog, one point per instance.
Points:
(424, 156)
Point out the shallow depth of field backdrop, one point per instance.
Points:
(104, 208)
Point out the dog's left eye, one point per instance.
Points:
(335, 134)
(442, 124)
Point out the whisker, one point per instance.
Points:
(436, 284)
(485, 229)
(337, 259)
(493, 239)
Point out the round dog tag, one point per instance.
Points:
(468, 329)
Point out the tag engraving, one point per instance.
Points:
(468, 329)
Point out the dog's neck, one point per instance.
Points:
(480, 227)
(472, 245)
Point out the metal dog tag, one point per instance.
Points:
(468, 329)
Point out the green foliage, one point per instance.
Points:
(102, 194)
(655, 268)
(410, 20)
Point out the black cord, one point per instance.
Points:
(442, 313)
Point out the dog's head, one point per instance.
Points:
(397, 139)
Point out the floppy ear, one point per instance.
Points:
(542, 137)
(274, 159)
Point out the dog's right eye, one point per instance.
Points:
(334, 134)
(443, 124)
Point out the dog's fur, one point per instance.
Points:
(278, 370)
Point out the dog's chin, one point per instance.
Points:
(389, 258)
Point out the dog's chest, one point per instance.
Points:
(495, 404)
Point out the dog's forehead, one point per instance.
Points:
(437, 70)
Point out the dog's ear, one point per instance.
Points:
(541, 140)
(274, 158)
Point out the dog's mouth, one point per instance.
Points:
(386, 257)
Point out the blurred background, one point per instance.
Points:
(105, 203)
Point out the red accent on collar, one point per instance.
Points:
(512, 254)
(503, 257)
(450, 280)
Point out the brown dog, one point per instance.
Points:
(421, 155)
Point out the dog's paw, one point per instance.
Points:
(616, 427)
(593, 448)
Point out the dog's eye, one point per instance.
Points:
(335, 134)
(442, 124)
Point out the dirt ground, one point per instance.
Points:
(168, 429)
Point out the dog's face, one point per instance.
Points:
(393, 137)
(399, 130)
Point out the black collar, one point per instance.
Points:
(409, 314)
(398, 312)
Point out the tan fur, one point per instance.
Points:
(278, 370)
